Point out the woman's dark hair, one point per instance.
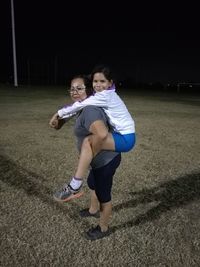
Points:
(103, 69)
(87, 82)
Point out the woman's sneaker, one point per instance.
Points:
(67, 193)
(96, 233)
(85, 213)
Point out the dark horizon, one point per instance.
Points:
(52, 45)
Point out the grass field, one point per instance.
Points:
(156, 190)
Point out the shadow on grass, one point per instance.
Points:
(169, 195)
(32, 184)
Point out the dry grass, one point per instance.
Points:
(156, 191)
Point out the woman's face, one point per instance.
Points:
(78, 90)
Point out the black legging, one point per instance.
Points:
(101, 179)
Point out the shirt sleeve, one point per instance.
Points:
(99, 100)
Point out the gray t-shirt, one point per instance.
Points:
(85, 118)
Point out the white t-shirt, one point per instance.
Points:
(114, 107)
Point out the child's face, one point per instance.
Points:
(100, 83)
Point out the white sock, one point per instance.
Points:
(76, 183)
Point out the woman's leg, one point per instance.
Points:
(105, 215)
(103, 179)
(94, 203)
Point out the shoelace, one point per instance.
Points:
(66, 188)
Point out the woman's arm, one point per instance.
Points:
(56, 122)
(53, 121)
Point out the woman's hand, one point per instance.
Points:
(54, 121)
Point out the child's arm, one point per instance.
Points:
(99, 99)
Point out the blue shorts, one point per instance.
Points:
(123, 142)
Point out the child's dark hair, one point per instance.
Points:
(103, 69)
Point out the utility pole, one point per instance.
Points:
(14, 45)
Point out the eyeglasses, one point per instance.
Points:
(77, 89)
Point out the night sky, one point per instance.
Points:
(147, 42)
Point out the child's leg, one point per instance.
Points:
(107, 143)
(91, 146)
